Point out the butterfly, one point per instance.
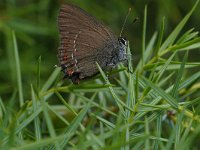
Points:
(84, 41)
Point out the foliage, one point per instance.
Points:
(153, 105)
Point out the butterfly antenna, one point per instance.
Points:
(125, 22)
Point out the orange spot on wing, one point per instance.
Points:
(70, 72)
(65, 58)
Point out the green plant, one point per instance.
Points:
(154, 105)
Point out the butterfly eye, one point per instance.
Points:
(123, 41)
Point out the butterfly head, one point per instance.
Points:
(123, 44)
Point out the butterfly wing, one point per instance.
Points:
(84, 41)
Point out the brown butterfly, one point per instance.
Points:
(85, 41)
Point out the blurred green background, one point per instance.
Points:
(35, 25)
